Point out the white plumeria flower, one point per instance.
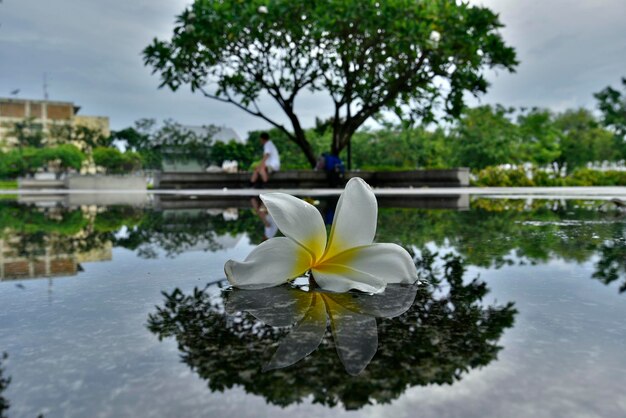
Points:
(349, 260)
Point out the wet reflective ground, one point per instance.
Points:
(123, 311)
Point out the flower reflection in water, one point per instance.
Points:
(352, 318)
(446, 331)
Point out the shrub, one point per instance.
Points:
(501, 177)
(11, 165)
(517, 177)
(68, 156)
(116, 162)
(26, 161)
(589, 177)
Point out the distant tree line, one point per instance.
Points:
(557, 145)
(155, 143)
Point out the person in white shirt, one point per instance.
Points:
(270, 229)
(269, 163)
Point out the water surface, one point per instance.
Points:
(124, 311)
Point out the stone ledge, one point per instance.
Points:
(457, 177)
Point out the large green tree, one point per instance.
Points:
(612, 104)
(402, 55)
(486, 136)
(583, 140)
(539, 136)
(178, 142)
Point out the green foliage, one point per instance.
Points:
(245, 154)
(29, 220)
(8, 184)
(588, 177)
(28, 160)
(368, 55)
(520, 177)
(28, 133)
(612, 104)
(12, 164)
(68, 156)
(170, 141)
(485, 136)
(396, 148)
(115, 161)
(173, 233)
(499, 177)
(540, 137)
(583, 140)
(500, 232)
(88, 138)
(611, 265)
(116, 217)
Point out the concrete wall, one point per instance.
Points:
(106, 183)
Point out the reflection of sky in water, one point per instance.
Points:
(80, 347)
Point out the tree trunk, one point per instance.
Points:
(299, 137)
(340, 140)
(306, 147)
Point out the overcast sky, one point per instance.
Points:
(91, 51)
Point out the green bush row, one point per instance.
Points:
(519, 177)
(115, 161)
(28, 160)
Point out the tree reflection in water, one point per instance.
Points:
(493, 234)
(445, 332)
(4, 384)
(611, 265)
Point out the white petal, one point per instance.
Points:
(387, 262)
(341, 279)
(304, 338)
(297, 220)
(355, 218)
(279, 306)
(394, 301)
(355, 335)
(369, 269)
(273, 262)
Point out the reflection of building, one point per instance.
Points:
(46, 263)
(42, 115)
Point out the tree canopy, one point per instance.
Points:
(409, 57)
(612, 104)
